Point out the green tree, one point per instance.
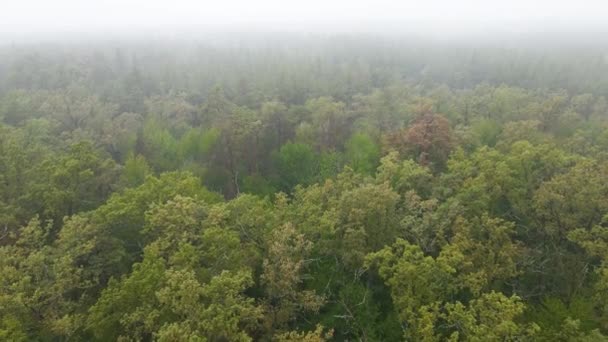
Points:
(135, 171)
(362, 153)
(297, 164)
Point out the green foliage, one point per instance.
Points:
(283, 276)
(162, 147)
(135, 171)
(429, 193)
(196, 144)
(404, 176)
(297, 164)
(423, 290)
(487, 132)
(559, 321)
(362, 153)
(155, 301)
(577, 199)
(258, 185)
(330, 165)
(78, 181)
(318, 335)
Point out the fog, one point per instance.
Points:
(27, 18)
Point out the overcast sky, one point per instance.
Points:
(53, 16)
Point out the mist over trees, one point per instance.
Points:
(304, 188)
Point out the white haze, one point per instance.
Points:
(59, 17)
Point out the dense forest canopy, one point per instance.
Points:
(304, 188)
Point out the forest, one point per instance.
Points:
(304, 188)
